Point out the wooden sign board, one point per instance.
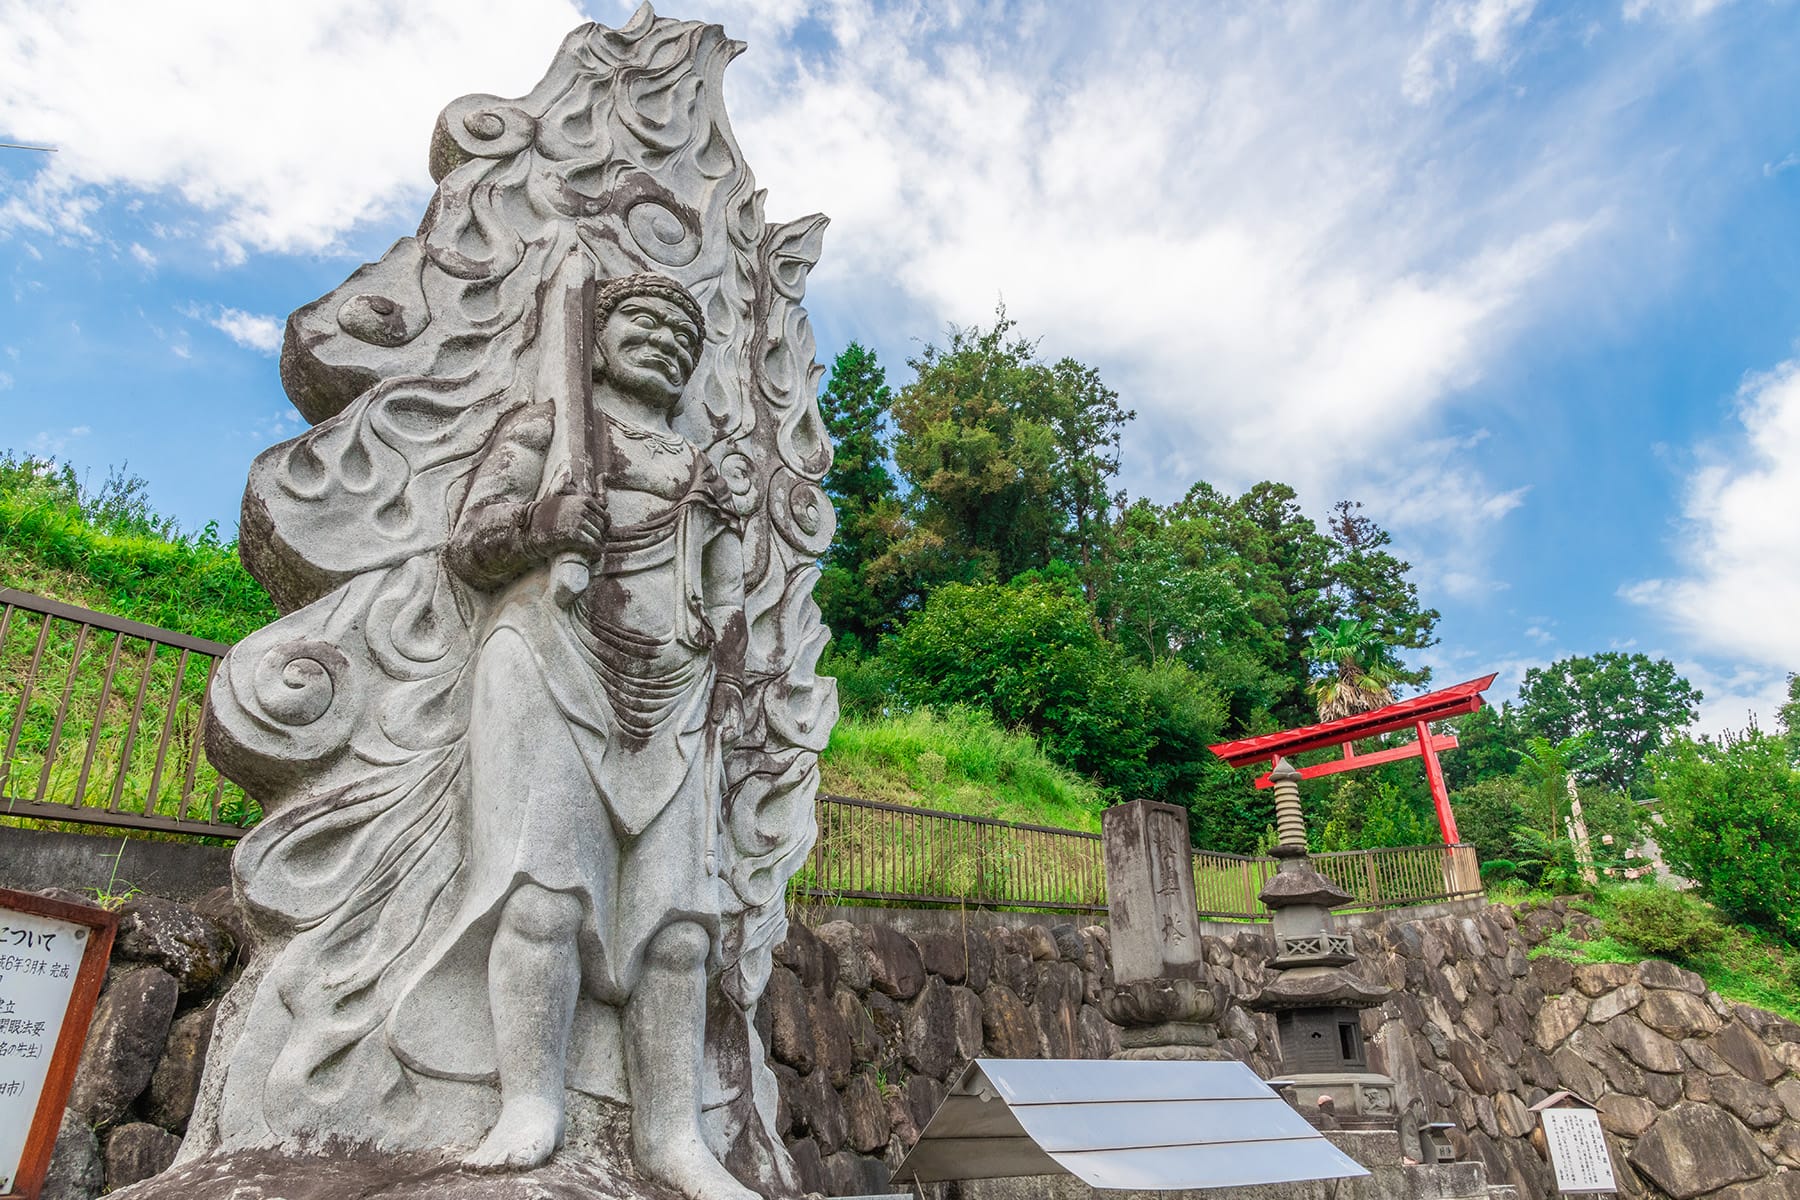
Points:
(1578, 1150)
(52, 962)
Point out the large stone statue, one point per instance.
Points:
(537, 737)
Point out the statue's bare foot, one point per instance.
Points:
(526, 1135)
(686, 1163)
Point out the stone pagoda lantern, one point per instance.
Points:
(1317, 1002)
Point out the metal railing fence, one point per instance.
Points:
(868, 850)
(103, 720)
(103, 723)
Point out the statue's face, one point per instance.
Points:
(647, 349)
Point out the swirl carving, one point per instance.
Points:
(801, 511)
(478, 126)
(295, 682)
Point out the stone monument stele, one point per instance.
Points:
(537, 734)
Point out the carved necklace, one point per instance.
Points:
(666, 443)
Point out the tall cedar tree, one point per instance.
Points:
(855, 407)
(1008, 458)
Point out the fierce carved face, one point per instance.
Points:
(647, 348)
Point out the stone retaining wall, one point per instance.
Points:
(867, 1025)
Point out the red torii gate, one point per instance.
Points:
(1418, 712)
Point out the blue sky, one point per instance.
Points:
(1524, 279)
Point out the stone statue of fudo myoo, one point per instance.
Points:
(537, 735)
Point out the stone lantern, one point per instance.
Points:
(1316, 1001)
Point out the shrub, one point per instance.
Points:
(1731, 813)
(1662, 921)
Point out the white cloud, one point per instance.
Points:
(288, 123)
(1739, 541)
(6, 381)
(144, 257)
(1670, 10)
(252, 331)
(1772, 169)
(50, 443)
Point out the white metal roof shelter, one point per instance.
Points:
(1152, 1126)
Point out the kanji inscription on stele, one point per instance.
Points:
(39, 958)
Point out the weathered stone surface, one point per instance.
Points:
(124, 1043)
(1768, 1026)
(1621, 1075)
(866, 1122)
(1746, 1053)
(1627, 1115)
(1481, 1070)
(966, 1019)
(1676, 1014)
(192, 949)
(1788, 1092)
(928, 1038)
(865, 1044)
(813, 960)
(945, 953)
(790, 1029)
(1595, 978)
(895, 968)
(819, 1112)
(76, 1172)
(809, 1164)
(221, 908)
(176, 1081)
(1770, 1187)
(138, 1151)
(1006, 1024)
(831, 1037)
(1701, 1054)
(922, 1096)
(1694, 1149)
(1552, 975)
(1560, 1016)
(1038, 943)
(846, 944)
(1069, 946)
(1663, 1090)
(1645, 1047)
(1611, 1004)
(1056, 1008)
(1654, 973)
(1755, 1105)
(850, 1174)
(1099, 1037)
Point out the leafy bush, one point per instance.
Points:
(1661, 921)
(1031, 654)
(1732, 824)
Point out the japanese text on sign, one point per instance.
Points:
(1578, 1150)
(39, 957)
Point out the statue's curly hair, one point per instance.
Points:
(615, 292)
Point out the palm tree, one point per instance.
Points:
(1360, 675)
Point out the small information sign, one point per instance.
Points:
(52, 962)
(1578, 1150)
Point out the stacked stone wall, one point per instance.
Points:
(866, 1027)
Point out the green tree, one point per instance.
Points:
(1369, 585)
(1030, 653)
(855, 600)
(1788, 715)
(1489, 744)
(1359, 674)
(1629, 704)
(1731, 823)
(1008, 457)
(1154, 600)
